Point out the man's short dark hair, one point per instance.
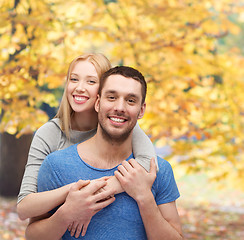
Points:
(127, 72)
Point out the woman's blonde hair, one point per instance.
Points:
(65, 112)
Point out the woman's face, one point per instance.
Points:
(83, 87)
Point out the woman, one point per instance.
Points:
(76, 121)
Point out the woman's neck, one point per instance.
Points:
(84, 121)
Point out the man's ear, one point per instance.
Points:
(142, 111)
(96, 106)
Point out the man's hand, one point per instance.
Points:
(84, 201)
(134, 179)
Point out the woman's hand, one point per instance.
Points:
(77, 228)
(84, 200)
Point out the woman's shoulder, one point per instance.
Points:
(49, 127)
(49, 135)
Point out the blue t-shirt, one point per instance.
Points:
(119, 220)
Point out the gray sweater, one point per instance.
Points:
(50, 138)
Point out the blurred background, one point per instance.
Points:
(192, 55)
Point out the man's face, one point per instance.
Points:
(119, 107)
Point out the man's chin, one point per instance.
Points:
(116, 135)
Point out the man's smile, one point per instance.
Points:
(117, 119)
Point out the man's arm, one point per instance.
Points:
(160, 221)
(81, 204)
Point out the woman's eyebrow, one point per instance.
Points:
(88, 76)
(91, 76)
(74, 74)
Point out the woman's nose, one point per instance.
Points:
(80, 86)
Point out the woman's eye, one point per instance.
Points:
(92, 81)
(74, 79)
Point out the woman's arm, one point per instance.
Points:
(143, 148)
(30, 203)
(36, 204)
(80, 205)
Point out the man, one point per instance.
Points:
(146, 210)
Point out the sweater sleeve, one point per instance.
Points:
(44, 142)
(143, 148)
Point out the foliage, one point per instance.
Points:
(27, 64)
(195, 102)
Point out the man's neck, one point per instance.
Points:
(101, 153)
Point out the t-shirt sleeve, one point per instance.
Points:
(47, 177)
(143, 148)
(165, 185)
(44, 142)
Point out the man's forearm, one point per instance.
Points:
(156, 226)
(50, 228)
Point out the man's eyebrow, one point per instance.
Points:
(128, 95)
(133, 95)
(110, 91)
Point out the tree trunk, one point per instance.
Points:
(13, 157)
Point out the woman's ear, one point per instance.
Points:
(97, 103)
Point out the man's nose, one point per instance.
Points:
(119, 105)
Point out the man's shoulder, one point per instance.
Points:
(63, 154)
(66, 151)
(163, 164)
(165, 169)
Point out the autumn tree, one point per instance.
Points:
(28, 64)
(38, 39)
(195, 102)
(30, 68)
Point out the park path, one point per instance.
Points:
(208, 221)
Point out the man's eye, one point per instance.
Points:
(111, 97)
(131, 101)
